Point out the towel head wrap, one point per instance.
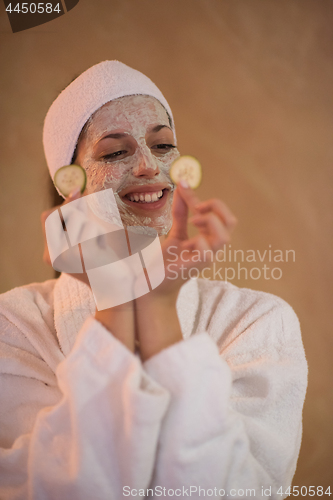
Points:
(95, 87)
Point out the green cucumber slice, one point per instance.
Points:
(188, 168)
(69, 177)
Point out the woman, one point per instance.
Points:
(190, 390)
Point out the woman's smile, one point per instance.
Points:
(146, 197)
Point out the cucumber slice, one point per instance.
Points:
(69, 177)
(188, 168)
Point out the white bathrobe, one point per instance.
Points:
(81, 417)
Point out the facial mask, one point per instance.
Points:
(133, 115)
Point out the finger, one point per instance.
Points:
(179, 217)
(211, 226)
(220, 208)
(72, 196)
(43, 217)
(188, 195)
(76, 193)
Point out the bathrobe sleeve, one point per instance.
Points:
(85, 432)
(235, 418)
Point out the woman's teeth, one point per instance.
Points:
(145, 197)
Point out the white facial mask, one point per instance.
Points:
(133, 115)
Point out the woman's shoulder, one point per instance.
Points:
(225, 311)
(27, 329)
(214, 293)
(28, 309)
(26, 298)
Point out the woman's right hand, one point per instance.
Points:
(119, 320)
(74, 195)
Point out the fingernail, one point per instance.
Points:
(74, 193)
(184, 183)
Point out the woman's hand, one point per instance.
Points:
(74, 195)
(215, 223)
(119, 320)
(156, 318)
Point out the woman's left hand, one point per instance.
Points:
(215, 223)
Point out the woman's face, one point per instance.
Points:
(128, 146)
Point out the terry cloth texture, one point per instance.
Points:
(96, 86)
(81, 417)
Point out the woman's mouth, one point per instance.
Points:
(145, 197)
(147, 200)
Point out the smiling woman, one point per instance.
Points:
(195, 386)
(129, 146)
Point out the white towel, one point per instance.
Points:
(95, 87)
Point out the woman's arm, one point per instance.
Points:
(78, 427)
(235, 416)
(85, 431)
(157, 325)
(120, 322)
(234, 421)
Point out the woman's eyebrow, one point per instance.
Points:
(117, 135)
(157, 128)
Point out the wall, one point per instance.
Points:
(250, 84)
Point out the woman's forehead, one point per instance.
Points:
(131, 113)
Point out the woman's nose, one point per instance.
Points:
(146, 165)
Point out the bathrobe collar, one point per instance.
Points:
(74, 303)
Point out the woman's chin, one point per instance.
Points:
(155, 215)
(151, 225)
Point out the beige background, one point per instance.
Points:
(250, 83)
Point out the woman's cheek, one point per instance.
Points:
(165, 162)
(103, 176)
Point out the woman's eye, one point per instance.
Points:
(166, 147)
(111, 156)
